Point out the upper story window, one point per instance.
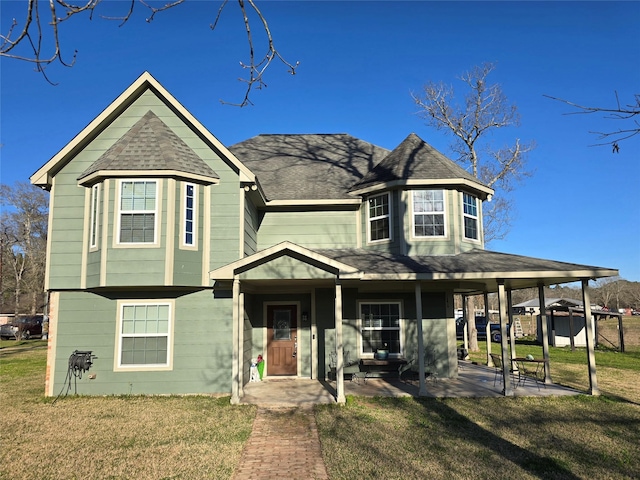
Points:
(379, 212)
(95, 215)
(470, 216)
(428, 213)
(189, 215)
(138, 207)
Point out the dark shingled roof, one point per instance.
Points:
(150, 145)
(308, 167)
(413, 158)
(473, 261)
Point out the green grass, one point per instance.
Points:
(565, 437)
(394, 438)
(111, 437)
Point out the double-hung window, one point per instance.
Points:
(470, 216)
(428, 213)
(379, 218)
(189, 215)
(138, 208)
(144, 335)
(380, 327)
(95, 216)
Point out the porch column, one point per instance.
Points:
(591, 358)
(340, 397)
(545, 334)
(506, 359)
(423, 384)
(512, 330)
(235, 354)
(465, 319)
(241, 313)
(488, 329)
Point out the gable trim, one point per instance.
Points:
(43, 176)
(282, 249)
(427, 182)
(101, 174)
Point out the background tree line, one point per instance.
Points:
(23, 248)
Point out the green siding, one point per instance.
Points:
(250, 227)
(285, 268)
(67, 217)
(202, 346)
(312, 229)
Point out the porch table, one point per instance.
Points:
(529, 368)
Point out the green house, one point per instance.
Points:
(177, 260)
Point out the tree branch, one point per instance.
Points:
(620, 112)
(36, 33)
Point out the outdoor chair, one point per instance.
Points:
(410, 370)
(350, 367)
(497, 363)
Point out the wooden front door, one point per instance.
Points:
(282, 340)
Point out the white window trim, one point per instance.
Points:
(389, 216)
(361, 327)
(476, 217)
(94, 229)
(118, 367)
(118, 213)
(444, 214)
(183, 218)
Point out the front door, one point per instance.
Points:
(282, 340)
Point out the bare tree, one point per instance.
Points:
(627, 114)
(24, 238)
(607, 291)
(484, 110)
(37, 39)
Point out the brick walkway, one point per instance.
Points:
(284, 443)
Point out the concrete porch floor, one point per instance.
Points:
(473, 381)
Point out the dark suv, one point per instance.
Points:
(481, 327)
(23, 328)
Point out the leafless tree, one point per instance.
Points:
(24, 239)
(484, 110)
(607, 292)
(37, 39)
(627, 114)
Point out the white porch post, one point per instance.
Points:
(591, 357)
(423, 384)
(340, 397)
(465, 330)
(235, 354)
(506, 359)
(512, 330)
(545, 334)
(488, 329)
(240, 343)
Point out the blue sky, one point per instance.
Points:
(359, 63)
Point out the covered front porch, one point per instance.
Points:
(473, 381)
(334, 281)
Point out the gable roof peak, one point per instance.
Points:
(415, 162)
(149, 146)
